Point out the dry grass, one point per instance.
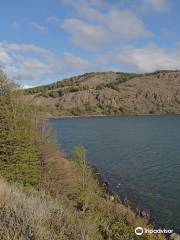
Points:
(27, 216)
(37, 216)
(59, 177)
(58, 173)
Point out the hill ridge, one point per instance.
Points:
(110, 93)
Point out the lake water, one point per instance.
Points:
(139, 154)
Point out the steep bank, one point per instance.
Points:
(111, 93)
(45, 196)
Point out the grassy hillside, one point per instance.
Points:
(43, 195)
(111, 93)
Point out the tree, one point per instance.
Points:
(6, 85)
(19, 153)
(79, 154)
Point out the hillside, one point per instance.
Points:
(110, 93)
(44, 195)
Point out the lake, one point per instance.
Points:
(138, 156)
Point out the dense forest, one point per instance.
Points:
(44, 195)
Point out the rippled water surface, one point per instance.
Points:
(139, 154)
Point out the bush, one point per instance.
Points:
(19, 153)
(54, 94)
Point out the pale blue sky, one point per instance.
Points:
(47, 40)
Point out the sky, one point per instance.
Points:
(47, 40)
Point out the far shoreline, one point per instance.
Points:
(118, 116)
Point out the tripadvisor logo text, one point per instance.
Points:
(140, 231)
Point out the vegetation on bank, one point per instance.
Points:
(19, 155)
(44, 196)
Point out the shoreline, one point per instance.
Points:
(123, 200)
(118, 116)
(108, 189)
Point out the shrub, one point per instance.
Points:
(54, 94)
(19, 154)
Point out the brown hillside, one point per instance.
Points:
(110, 93)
